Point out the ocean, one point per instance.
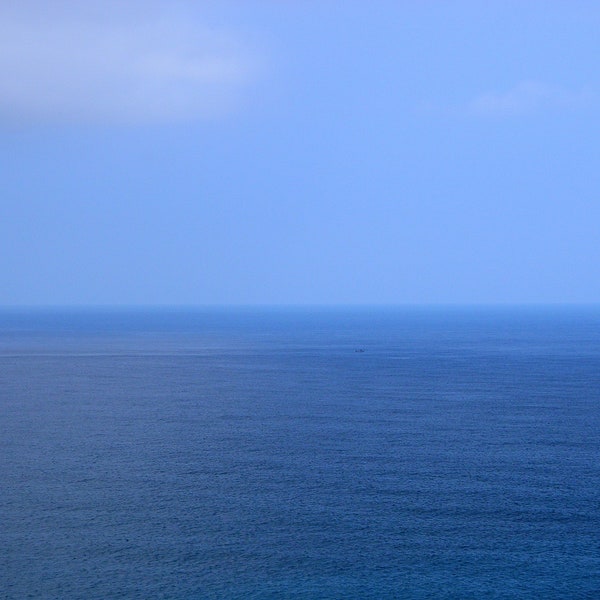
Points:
(300, 453)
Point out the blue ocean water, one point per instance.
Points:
(300, 453)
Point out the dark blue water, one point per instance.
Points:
(257, 454)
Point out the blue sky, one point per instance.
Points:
(299, 152)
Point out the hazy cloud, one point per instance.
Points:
(116, 62)
(527, 97)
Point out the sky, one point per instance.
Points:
(299, 152)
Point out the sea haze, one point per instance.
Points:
(300, 453)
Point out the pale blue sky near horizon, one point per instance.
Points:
(194, 153)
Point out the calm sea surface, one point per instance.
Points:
(370, 453)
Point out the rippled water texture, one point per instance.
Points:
(263, 454)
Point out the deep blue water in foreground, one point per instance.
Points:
(257, 454)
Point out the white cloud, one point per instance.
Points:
(527, 97)
(116, 62)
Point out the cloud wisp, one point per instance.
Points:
(158, 66)
(527, 97)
